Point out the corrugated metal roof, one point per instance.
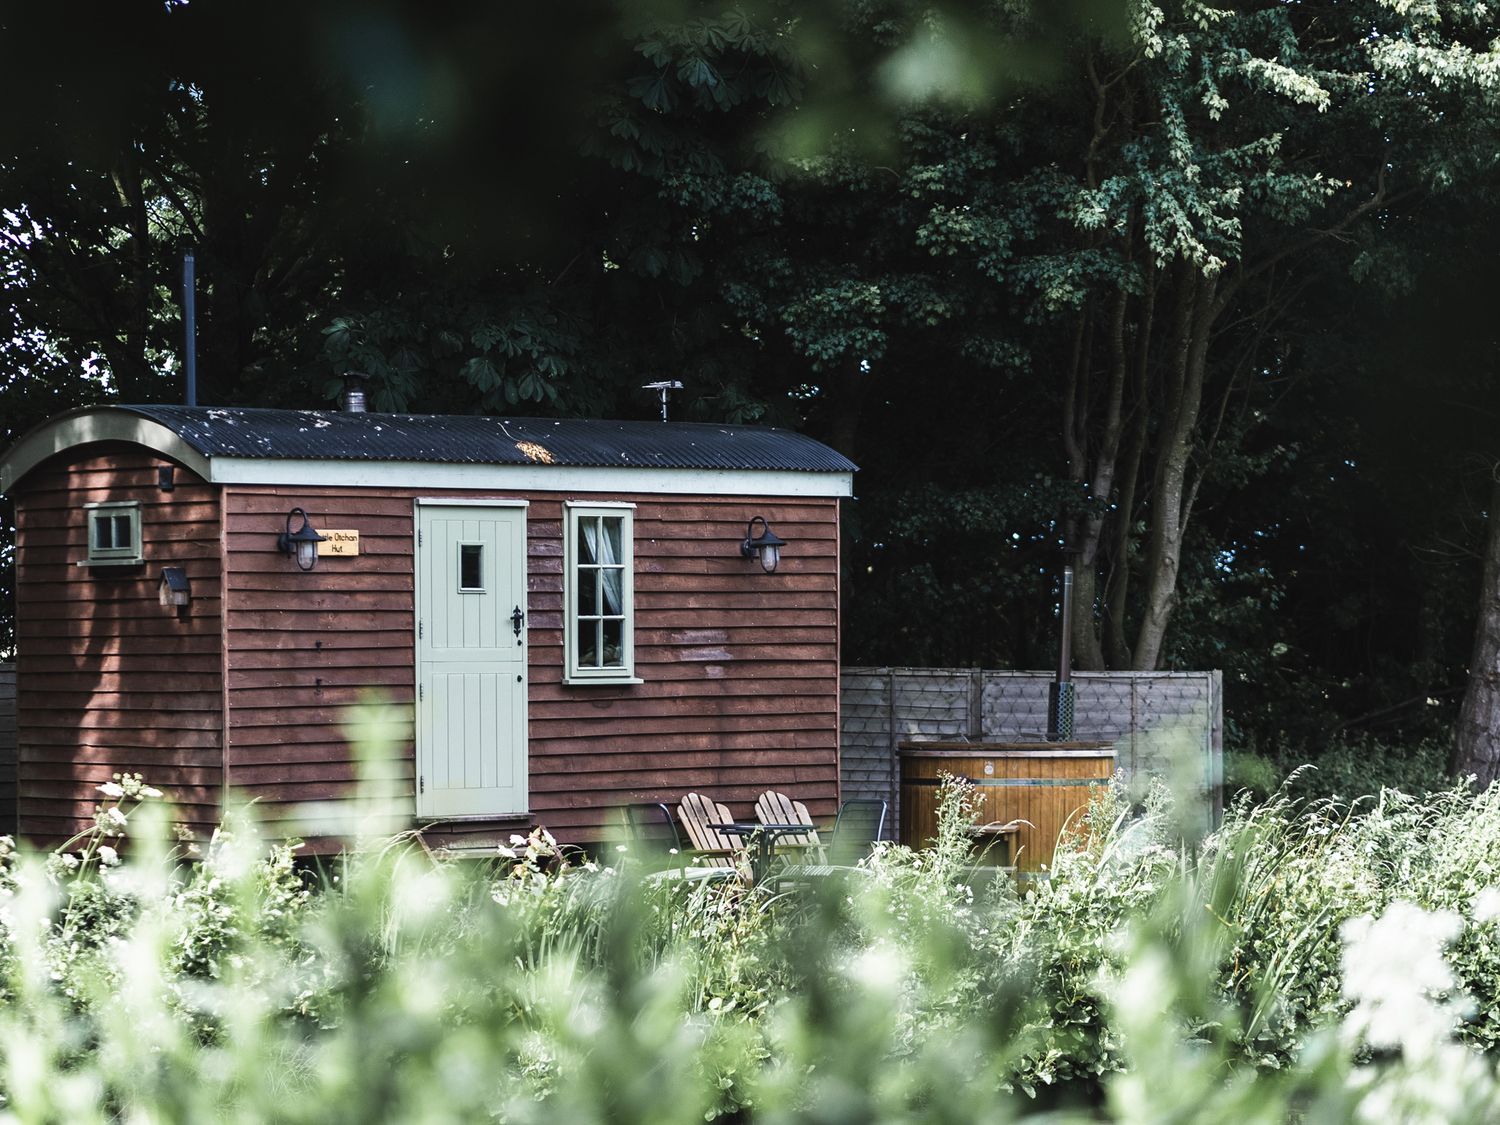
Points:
(465, 439)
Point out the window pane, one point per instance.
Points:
(122, 532)
(588, 593)
(612, 525)
(588, 539)
(614, 590)
(614, 644)
(471, 566)
(103, 533)
(588, 644)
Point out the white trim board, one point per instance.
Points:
(529, 478)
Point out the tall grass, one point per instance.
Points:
(1320, 961)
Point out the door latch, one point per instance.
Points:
(517, 619)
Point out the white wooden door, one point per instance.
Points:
(471, 659)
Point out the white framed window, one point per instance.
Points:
(599, 593)
(114, 533)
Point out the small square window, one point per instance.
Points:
(114, 534)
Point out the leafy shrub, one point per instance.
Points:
(1251, 773)
(1326, 961)
(1353, 767)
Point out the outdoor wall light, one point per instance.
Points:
(767, 544)
(303, 542)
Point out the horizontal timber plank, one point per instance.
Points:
(138, 678)
(542, 710)
(147, 740)
(66, 798)
(660, 734)
(365, 671)
(242, 774)
(330, 716)
(242, 601)
(44, 644)
(669, 689)
(43, 697)
(397, 689)
(126, 723)
(781, 583)
(303, 792)
(319, 622)
(649, 600)
(69, 750)
(602, 767)
(251, 645)
(741, 793)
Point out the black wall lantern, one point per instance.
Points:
(767, 544)
(302, 542)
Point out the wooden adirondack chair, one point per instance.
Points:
(715, 849)
(778, 808)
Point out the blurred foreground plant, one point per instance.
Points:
(1324, 962)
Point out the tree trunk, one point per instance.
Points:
(1171, 500)
(1477, 747)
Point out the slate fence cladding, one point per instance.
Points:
(1163, 724)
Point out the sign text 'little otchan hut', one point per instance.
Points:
(344, 543)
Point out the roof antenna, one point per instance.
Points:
(190, 332)
(664, 388)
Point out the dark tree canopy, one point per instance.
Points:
(1190, 291)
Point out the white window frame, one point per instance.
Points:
(128, 555)
(574, 513)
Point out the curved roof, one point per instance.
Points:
(226, 443)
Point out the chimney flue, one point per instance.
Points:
(1060, 692)
(352, 401)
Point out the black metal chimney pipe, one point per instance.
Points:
(1060, 691)
(190, 331)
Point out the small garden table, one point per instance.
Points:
(762, 840)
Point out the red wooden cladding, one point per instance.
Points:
(110, 680)
(741, 667)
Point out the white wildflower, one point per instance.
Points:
(111, 789)
(1394, 971)
(880, 968)
(1487, 905)
(108, 856)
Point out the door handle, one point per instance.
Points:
(517, 619)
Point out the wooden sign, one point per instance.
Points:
(344, 543)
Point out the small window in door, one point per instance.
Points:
(471, 568)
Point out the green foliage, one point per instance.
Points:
(1315, 961)
(1251, 773)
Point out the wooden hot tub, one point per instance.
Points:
(1046, 783)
